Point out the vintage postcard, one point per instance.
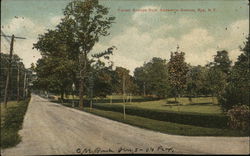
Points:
(124, 77)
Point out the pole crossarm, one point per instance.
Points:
(14, 37)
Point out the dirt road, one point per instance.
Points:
(50, 128)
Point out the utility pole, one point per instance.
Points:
(9, 67)
(8, 72)
(18, 81)
(24, 85)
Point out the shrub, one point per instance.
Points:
(197, 119)
(234, 95)
(187, 118)
(239, 117)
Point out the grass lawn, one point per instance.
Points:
(11, 122)
(198, 105)
(166, 127)
(10, 105)
(206, 105)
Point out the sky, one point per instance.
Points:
(143, 29)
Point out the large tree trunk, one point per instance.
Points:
(83, 67)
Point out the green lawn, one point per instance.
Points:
(198, 105)
(166, 127)
(10, 105)
(206, 105)
(201, 105)
(11, 122)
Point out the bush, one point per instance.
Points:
(197, 119)
(239, 117)
(234, 95)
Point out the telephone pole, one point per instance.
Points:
(24, 85)
(9, 66)
(18, 81)
(8, 72)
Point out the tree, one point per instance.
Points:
(216, 82)
(152, 78)
(90, 22)
(141, 79)
(123, 82)
(195, 81)
(56, 70)
(177, 69)
(221, 62)
(237, 92)
(102, 77)
(218, 73)
(16, 84)
(83, 24)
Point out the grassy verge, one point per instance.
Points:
(166, 127)
(206, 105)
(187, 118)
(11, 123)
(198, 105)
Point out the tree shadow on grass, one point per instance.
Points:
(200, 103)
(173, 103)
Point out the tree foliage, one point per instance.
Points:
(238, 90)
(65, 50)
(177, 69)
(221, 62)
(195, 81)
(152, 78)
(16, 64)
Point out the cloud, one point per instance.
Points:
(197, 38)
(55, 20)
(162, 29)
(135, 47)
(236, 35)
(233, 54)
(23, 27)
(144, 16)
(196, 46)
(197, 57)
(24, 50)
(187, 22)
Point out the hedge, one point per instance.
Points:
(187, 118)
(197, 119)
